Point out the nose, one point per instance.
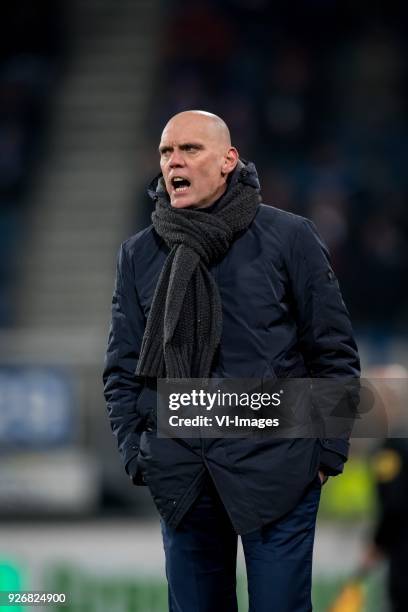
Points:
(176, 159)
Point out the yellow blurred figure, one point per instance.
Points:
(351, 598)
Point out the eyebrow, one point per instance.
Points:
(183, 147)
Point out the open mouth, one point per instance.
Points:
(180, 184)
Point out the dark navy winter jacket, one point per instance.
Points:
(283, 315)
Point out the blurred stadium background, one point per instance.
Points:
(315, 93)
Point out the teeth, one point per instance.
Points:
(179, 179)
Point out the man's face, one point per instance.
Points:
(193, 160)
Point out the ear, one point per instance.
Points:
(230, 161)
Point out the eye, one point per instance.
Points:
(191, 148)
(165, 152)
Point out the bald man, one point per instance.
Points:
(222, 286)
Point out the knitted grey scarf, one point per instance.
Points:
(184, 325)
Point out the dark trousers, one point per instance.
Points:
(201, 558)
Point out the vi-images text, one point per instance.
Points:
(222, 421)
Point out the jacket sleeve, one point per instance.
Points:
(122, 388)
(324, 329)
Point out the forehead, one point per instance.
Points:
(187, 130)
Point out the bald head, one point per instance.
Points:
(196, 158)
(214, 125)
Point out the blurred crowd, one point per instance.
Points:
(31, 58)
(315, 94)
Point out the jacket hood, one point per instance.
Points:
(245, 173)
